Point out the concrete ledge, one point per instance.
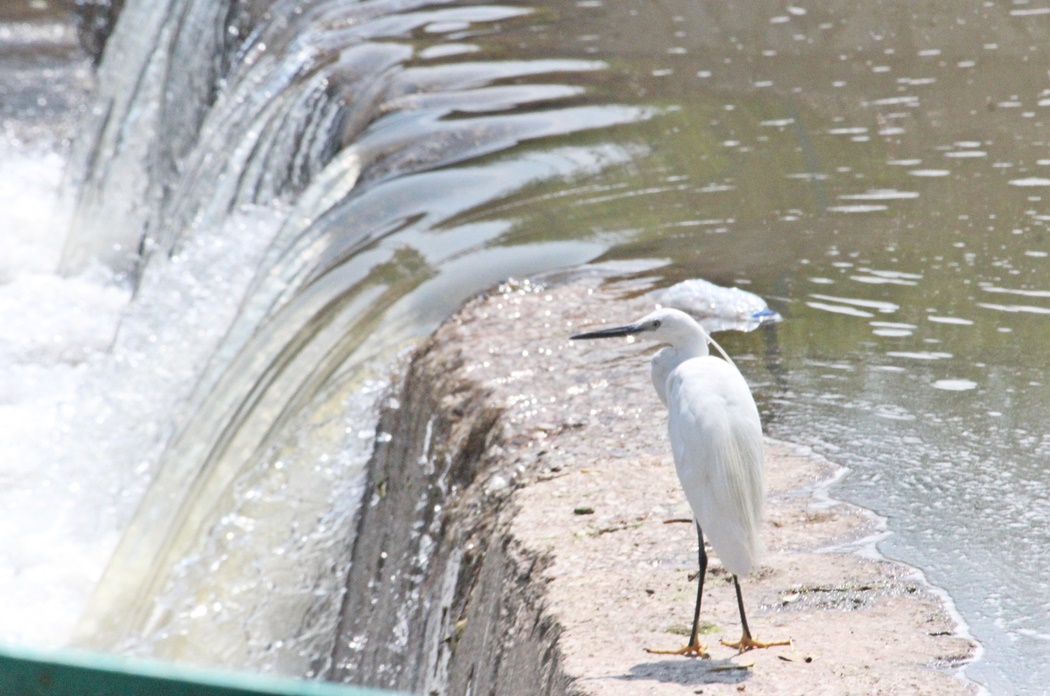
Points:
(514, 538)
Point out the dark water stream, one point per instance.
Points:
(877, 171)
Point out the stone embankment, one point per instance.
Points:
(513, 539)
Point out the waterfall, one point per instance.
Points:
(333, 153)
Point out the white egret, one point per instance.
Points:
(716, 437)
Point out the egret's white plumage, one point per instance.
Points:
(716, 438)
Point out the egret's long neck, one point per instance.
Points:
(692, 346)
(667, 359)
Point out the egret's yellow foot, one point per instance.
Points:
(693, 649)
(746, 643)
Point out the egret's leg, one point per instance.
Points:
(694, 648)
(701, 557)
(746, 642)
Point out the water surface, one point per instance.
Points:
(879, 173)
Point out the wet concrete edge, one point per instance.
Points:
(453, 590)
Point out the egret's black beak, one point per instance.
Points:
(608, 333)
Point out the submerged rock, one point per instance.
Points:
(716, 307)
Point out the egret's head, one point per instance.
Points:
(667, 325)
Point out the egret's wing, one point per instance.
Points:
(716, 436)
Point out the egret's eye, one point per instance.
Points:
(656, 324)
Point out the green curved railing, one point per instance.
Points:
(31, 672)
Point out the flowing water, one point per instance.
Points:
(320, 183)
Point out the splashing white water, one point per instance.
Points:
(89, 380)
(52, 330)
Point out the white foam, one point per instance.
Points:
(51, 329)
(88, 382)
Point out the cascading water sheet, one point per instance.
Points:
(359, 150)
